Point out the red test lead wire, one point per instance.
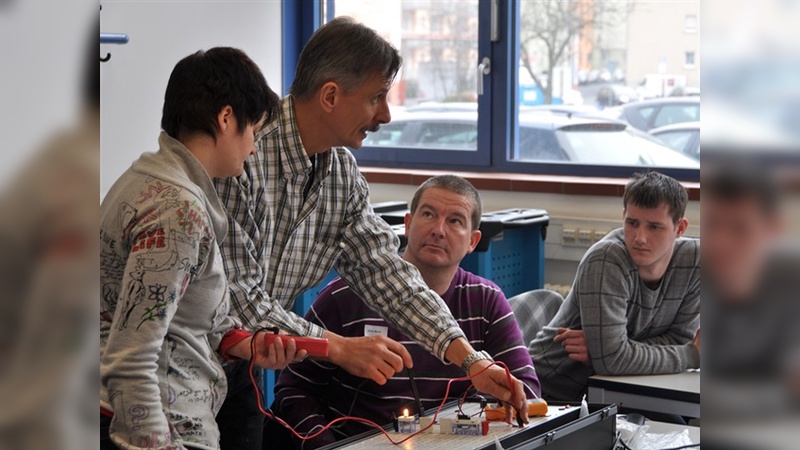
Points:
(270, 415)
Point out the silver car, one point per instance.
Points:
(683, 137)
(542, 137)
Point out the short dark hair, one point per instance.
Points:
(651, 189)
(735, 183)
(345, 52)
(456, 185)
(204, 82)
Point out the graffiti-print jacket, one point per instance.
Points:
(165, 300)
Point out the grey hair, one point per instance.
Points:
(345, 52)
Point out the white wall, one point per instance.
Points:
(43, 53)
(133, 82)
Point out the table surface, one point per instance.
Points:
(758, 432)
(688, 382)
(663, 427)
(437, 441)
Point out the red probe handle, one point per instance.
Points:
(312, 346)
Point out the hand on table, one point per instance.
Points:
(574, 342)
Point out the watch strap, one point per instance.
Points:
(473, 358)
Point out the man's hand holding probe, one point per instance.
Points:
(379, 358)
(493, 381)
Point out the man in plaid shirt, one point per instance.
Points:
(442, 227)
(302, 206)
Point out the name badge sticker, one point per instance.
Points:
(375, 330)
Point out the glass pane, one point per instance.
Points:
(388, 135)
(645, 113)
(448, 134)
(670, 114)
(433, 100)
(584, 64)
(539, 145)
(620, 148)
(677, 140)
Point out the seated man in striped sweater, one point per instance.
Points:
(634, 308)
(441, 228)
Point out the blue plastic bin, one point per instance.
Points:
(511, 250)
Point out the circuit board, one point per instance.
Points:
(437, 441)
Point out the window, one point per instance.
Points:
(670, 114)
(448, 135)
(548, 62)
(388, 136)
(539, 145)
(676, 139)
(434, 100)
(688, 60)
(645, 113)
(690, 24)
(685, 141)
(428, 132)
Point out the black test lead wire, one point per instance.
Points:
(420, 409)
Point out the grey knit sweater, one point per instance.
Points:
(630, 329)
(165, 300)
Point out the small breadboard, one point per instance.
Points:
(434, 438)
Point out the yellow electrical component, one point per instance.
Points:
(536, 407)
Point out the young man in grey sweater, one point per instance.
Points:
(634, 308)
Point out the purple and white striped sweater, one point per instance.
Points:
(312, 393)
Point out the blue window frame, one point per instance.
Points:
(300, 18)
(497, 137)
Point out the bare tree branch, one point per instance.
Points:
(527, 64)
(553, 24)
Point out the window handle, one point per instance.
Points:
(484, 68)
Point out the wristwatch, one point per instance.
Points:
(473, 358)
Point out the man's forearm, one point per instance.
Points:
(458, 350)
(637, 358)
(406, 303)
(336, 347)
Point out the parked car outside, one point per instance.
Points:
(683, 137)
(443, 107)
(685, 91)
(542, 137)
(615, 95)
(655, 113)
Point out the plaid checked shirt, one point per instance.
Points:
(279, 244)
